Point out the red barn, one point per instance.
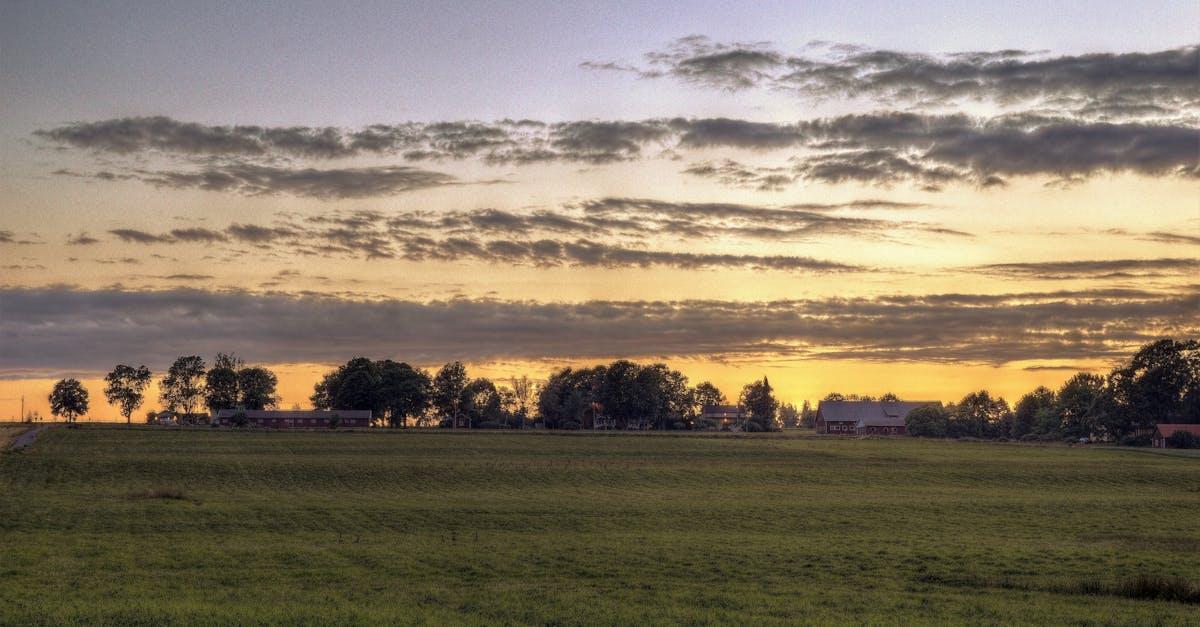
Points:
(296, 419)
(1166, 430)
(865, 417)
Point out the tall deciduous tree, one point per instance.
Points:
(69, 399)
(403, 392)
(1030, 412)
(221, 382)
(980, 415)
(1160, 383)
(256, 388)
(707, 394)
(183, 386)
(522, 396)
(447, 391)
(759, 399)
(125, 387)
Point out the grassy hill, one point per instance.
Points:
(107, 524)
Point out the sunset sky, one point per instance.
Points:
(927, 199)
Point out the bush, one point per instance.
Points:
(1183, 439)
(1135, 440)
(489, 424)
(569, 425)
(678, 426)
(752, 427)
(705, 424)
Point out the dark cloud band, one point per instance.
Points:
(44, 327)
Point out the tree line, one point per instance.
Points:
(188, 385)
(620, 395)
(1160, 383)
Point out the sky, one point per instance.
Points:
(926, 199)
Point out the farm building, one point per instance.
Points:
(725, 416)
(865, 417)
(294, 419)
(1166, 430)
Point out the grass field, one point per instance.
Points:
(144, 526)
(8, 431)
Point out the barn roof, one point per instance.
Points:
(1167, 429)
(295, 413)
(869, 413)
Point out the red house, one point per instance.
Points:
(1166, 430)
(865, 417)
(295, 419)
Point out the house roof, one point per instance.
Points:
(869, 413)
(259, 414)
(1168, 429)
(720, 411)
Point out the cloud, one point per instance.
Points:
(936, 150)
(47, 326)
(137, 236)
(606, 232)
(140, 134)
(877, 148)
(1101, 85)
(82, 239)
(1093, 269)
(325, 184)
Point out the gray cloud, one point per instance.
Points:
(876, 148)
(137, 236)
(259, 180)
(1094, 269)
(1104, 85)
(604, 232)
(46, 326)
(82, 239)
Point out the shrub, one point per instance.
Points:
(488, 424)
(1183, 439)
(678, 426)
(569, 425)
(752, 427)
(705, 424)
(1135, 440)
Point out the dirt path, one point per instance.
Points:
(27, 438)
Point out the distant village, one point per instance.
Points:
(1153, 399)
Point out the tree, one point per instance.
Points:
(1160, 383)
(1083, 407)
(404, 392)
(256, 388)
(1030, 411)
(481, 403)
(808, 415)
(125, 388)
(979, 415)
(183, 387)
(930, 421)
(447, 391)
(789, 415)
(354, 385)
(221, 382)
(758, 399)
(1183, 439)
(568, 395)
(889, 397)
(706, 394)
(522, 396)
(69, 399)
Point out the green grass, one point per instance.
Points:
(144, 526)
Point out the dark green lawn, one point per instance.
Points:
(491, 528)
